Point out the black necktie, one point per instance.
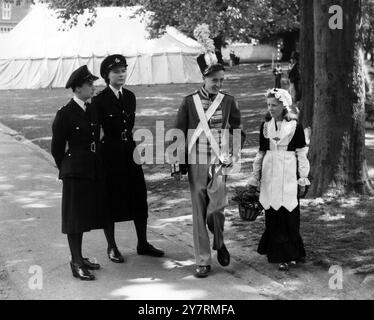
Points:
(120, 96)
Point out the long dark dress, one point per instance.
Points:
(80, 168)
(126, 188)
(281, 241)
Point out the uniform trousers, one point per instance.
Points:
(209, 198)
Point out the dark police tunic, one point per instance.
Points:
(80, 168)
(126, 188)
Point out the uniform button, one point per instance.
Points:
(93, 133)
(77, 128)
(124, 121)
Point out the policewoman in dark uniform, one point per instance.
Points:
(76, 150)
(126, 188)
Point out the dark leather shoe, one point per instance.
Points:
(115, 256)
(150, 250)
(202, 271)
(81, 272)
(90, 265)
(223, 256)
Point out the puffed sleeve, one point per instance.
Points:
(302, 159)
(180, 123)
(264, 143)
(255, 177)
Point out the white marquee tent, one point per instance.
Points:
(38, 54)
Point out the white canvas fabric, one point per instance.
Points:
(38, 54)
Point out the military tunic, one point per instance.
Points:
(208, 188)
(126, 188)
(77, 153)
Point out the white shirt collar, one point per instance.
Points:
(80, 102)
(116, 91)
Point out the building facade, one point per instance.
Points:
(12, 12)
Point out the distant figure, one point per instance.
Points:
(295, 78)
(234, 59)
(278, 76)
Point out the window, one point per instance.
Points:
(7, 10)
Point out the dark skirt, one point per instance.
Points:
(83, 205)
(281, 241)
(127, 195)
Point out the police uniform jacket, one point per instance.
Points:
(76, 150)
(76, 142)
(126, 185)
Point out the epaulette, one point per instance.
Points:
(62, 108)
(193, 93)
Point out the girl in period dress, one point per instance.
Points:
(281, 171)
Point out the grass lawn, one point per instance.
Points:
(334, 230)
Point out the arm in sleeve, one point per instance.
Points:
(181, 122)
(100, 116)
(59, 139)
(303, 165)
(255, 176)
(237, 134)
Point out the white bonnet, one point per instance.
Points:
(281, 95)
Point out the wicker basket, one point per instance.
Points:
(249, 214)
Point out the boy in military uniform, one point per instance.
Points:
(205, 114)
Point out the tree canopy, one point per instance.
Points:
(368, 25)
(232, 19)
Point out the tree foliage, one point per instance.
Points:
(235, 19)
(368, 25)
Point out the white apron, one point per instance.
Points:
(279, 169)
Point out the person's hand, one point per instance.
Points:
(177, 176)
(226, 161)
(301, 191)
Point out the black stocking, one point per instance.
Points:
(109, 234)
(141, 231)
(75, 245)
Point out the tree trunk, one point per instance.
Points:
(337, 151)
(307, 63)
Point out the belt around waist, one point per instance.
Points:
(90, 147)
